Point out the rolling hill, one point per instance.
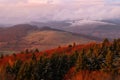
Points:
(22, 36)
(102, 29)
(95, 28)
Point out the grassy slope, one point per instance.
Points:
(24, 36)
(50, 39)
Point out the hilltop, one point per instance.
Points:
(22, 36)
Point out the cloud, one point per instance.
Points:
(43, 10)
(49, 1)
(12, 1)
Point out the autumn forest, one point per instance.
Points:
(93, 61)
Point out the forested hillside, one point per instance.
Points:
(94, 61)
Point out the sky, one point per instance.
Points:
(21, 11)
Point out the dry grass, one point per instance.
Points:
(50, 39)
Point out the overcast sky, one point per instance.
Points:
(19, 11)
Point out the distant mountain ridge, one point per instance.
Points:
(52, 24)
(98, 28)
(55, 33)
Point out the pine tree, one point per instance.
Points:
(109, 61)
(34, 57)
(1, 56)
(81, 63)
(26, 51)
(36, 50)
